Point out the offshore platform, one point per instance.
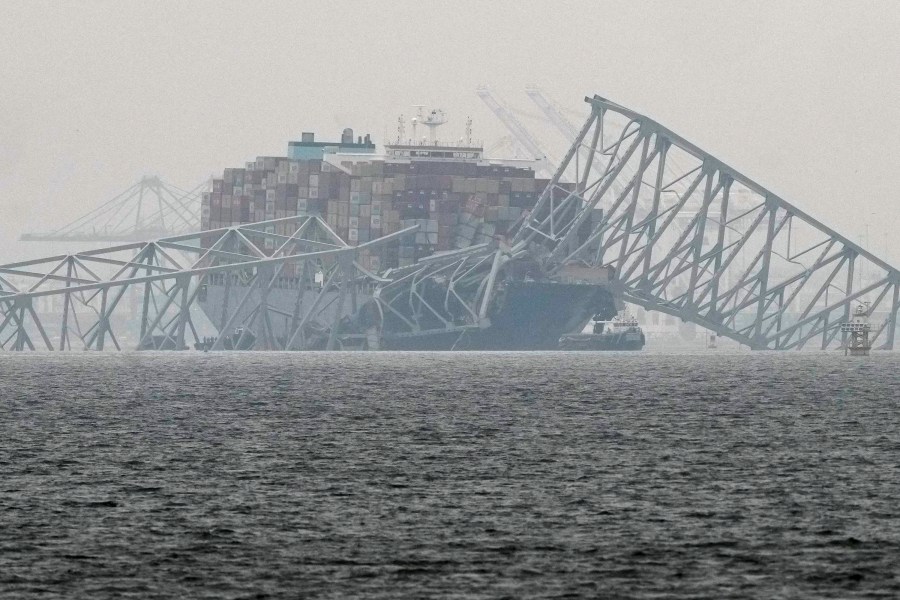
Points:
(632, 213)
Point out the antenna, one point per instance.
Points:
(468, 131)
(435, 119)
(416, 120)
(401, 130)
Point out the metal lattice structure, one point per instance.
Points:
(447, 292)
(153, 285)
(688, 235)
(632, 208)
(148, 209)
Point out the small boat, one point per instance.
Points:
(620, 333)
(241, 339)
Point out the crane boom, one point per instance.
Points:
(552, 113)
(519, 132)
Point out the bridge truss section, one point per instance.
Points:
(148, 292)
(688, 235)
(450, 292)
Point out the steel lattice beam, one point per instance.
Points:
(693, 237)
(168, 276)
(682, 232)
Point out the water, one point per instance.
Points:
(436, 475)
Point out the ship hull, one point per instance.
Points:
(531, 316)
(588, 342)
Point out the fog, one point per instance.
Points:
(801, 96)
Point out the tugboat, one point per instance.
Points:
(621, 333)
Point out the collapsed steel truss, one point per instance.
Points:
(447, 292)
(687, 235)
(681, 233)
(165, 279)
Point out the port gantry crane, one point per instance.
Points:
(149, 208)
(552, 112)
(516, 129)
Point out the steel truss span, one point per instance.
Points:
(632, 208)
(155, 287)
(690, 236)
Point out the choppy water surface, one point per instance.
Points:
(437, 475)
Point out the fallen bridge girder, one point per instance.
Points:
(756, 277)
(682, 233)
(169, 285)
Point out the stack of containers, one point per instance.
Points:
(454, 203)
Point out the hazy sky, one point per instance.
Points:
(804, 97)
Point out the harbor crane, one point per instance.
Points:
(553, 114)
(149, 208)
(518, 131)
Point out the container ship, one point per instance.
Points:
(458, 199)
